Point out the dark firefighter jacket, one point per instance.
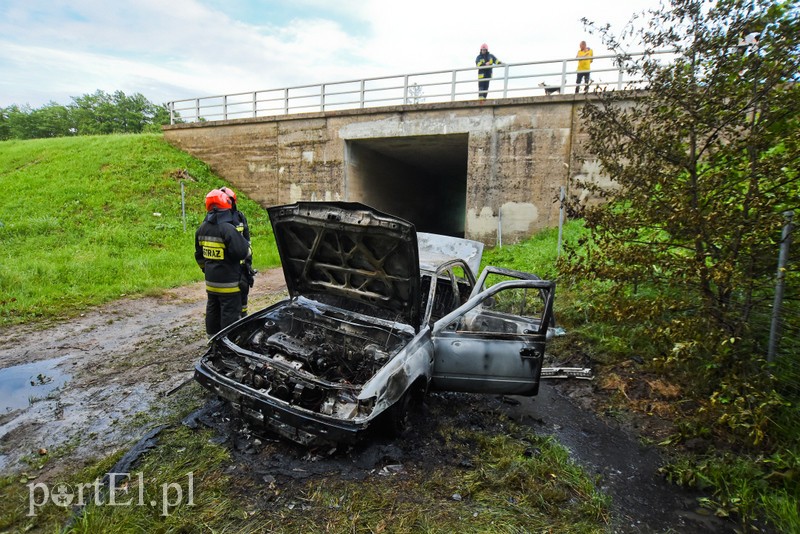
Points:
(240, 222)
(219, 249)
(486, 59)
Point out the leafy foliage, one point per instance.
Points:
(90, 114)
(745, 487)
(704, 165)
(704, 172)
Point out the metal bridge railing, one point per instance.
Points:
(510, 80)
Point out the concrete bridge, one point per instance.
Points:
(489, 170)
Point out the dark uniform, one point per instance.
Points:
(247, 278)
(219, 251)
(485, 59)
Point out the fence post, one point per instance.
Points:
(783, 256)
(564, 76)
(183, 206)
(500, 227)
(560, 221)
(405, 89)
(453, 88)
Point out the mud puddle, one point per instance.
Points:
(21, 384)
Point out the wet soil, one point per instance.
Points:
(122, 359)
(115, 363)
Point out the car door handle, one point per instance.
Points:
(530, 353)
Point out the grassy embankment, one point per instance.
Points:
(86, 220)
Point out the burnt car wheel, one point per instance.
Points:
(397, 417)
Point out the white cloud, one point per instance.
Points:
(56, 49)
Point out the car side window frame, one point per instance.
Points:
(447, 270)
(450, 322)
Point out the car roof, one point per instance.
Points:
(436, 249)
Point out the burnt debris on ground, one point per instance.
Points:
(643, 501)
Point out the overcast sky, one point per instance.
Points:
(52, 50)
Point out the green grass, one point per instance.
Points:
(538, 255)
(179, 451)
(508, 483)
(89, 219)
(515, 483)
(747, 488)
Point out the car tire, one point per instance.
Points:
(397, 420)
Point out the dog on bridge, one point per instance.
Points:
(550, 89)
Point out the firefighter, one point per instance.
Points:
(485, 59)
(248, 273)
(219, 250)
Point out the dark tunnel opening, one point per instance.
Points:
(422, 179)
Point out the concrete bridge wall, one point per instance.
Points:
(486, 171)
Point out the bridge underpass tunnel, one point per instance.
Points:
(422, 179)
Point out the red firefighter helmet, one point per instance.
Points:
(217, 199)
(485, 46)
(230, 192)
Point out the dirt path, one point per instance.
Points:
(114, 365)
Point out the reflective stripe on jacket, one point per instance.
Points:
(219, 250)
(485, 60)
(240, 222)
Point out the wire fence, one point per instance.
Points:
(509, 80)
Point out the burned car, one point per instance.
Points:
(377, 315)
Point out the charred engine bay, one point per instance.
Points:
(314, 359)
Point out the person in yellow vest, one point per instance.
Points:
(584, 65)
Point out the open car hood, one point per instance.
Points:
(349, 254)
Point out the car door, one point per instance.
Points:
(495, 342)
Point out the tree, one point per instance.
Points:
(704, 163)
(90, 114)
(18, 123)
(51, 120)
(103, 113)
(415, 94)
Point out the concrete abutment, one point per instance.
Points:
(466, 169)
